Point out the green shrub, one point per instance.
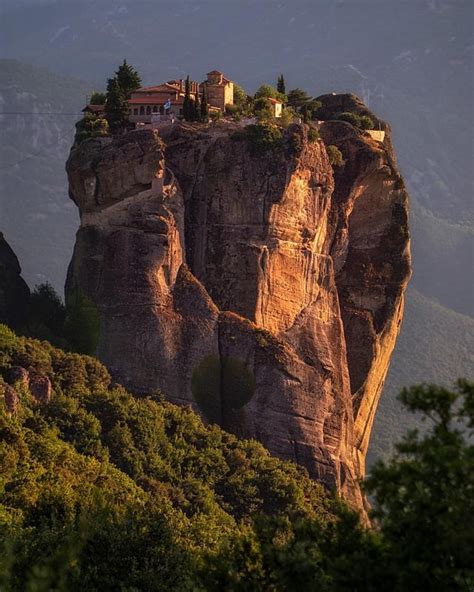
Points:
(360, 121)
(335, 156)
(366, 123)
(295, 143)
(352, 118)
(313, 134)
(90, 126)
(263, 137)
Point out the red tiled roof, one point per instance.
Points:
(166, 87)
(155, 101)
(274, 101)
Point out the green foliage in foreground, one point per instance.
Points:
(424, 497)
(100, 490)
(104, 489)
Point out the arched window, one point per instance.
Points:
(148, 110)
(142, 110)
(135, 111)
(162, 110)
(155, 109)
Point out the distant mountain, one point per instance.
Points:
(410, 61)
(436, 345)
(38, 110)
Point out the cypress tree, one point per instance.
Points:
(204, 105)
(281, 88)
(116, 106)
(197, 108)
(187, 103)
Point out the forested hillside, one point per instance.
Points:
(100, 490)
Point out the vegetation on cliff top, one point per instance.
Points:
(100, 490)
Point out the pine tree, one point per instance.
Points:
(128, 79)
(281, 85)
(204, 106)
(116, 107)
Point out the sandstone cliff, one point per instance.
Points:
(14, 293)
(263, 289)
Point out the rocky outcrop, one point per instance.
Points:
(40, 387)
(258, 287)
(14, 293)
(11, 400)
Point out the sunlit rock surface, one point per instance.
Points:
(263, 289)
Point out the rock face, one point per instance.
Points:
(14, 293)
(261, 288)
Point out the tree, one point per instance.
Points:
(204, 106)
(188, 107)
(281, 85)
(263, 109)
(297, 98)
(97, 98)
(128, 79)
(240, 96)
(423, 497)
(46, 310)
(116, 107)
(197, 108)
(268, 91)
(82, 324)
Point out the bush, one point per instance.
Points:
(90, 126)
(313, 134)
(366, 123)
(335, 156)
(349, 117)
(295, 143)
(264, 137)
(263, 110)
(360, 121)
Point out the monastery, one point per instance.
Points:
(150, 103)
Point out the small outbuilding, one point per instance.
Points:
(96, 109)
(277, 106)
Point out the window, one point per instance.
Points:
(155, 109)
(148, 110)
(135, 111)
(142, 110)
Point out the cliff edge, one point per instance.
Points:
(259, 286)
